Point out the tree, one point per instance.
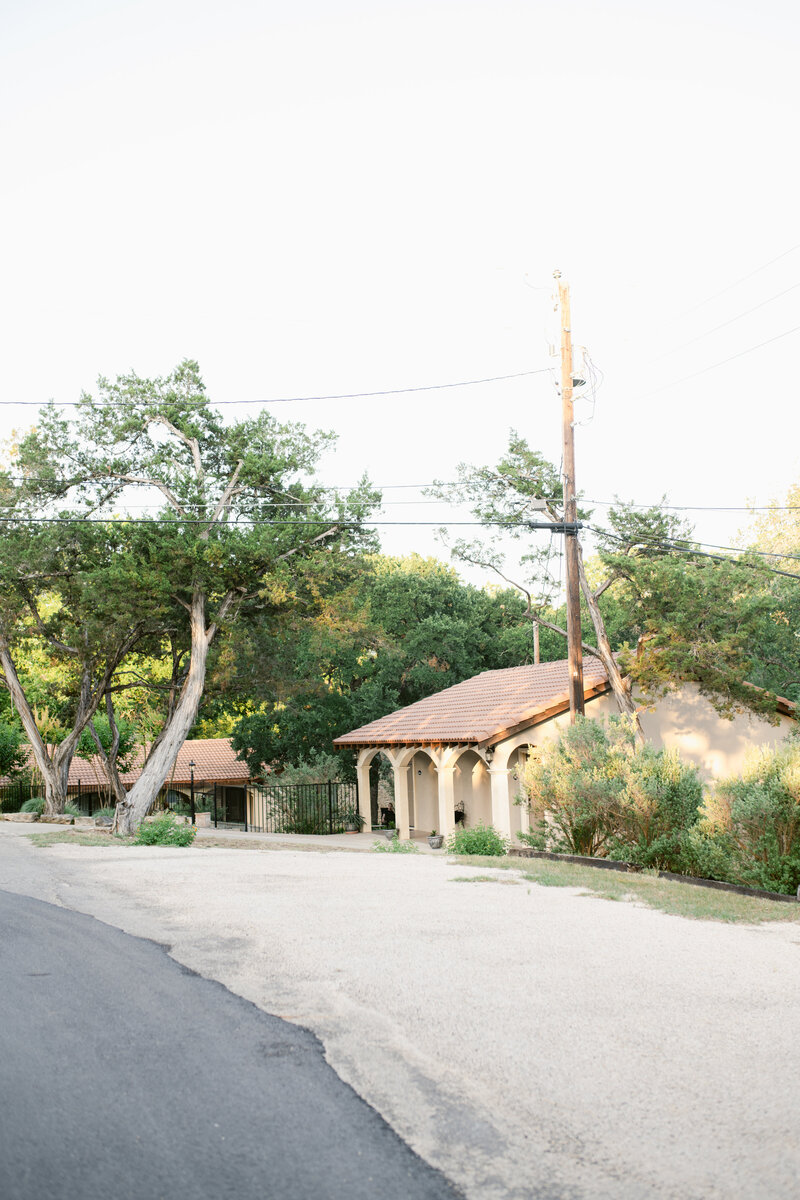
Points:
(402, 629)
(12, 755)
(675, 613)
(524, 487)
(236, 504)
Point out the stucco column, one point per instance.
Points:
(501, 813)
(362, 775)
(447, 800)
(401, 801)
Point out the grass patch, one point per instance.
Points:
(482, 879)
(78, 838)
(677, 899)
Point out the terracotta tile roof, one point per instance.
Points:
(480, 709)
(214, 759)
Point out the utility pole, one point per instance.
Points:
(574, 652)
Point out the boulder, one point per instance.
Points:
(19, 816)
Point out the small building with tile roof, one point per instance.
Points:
(212, 762)
(459, 755)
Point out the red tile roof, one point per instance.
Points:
(481, 709)
(214, 762)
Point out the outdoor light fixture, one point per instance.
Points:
(191, 789)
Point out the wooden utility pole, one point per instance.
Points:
(574, 653)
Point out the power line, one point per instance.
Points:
(724, 324)
(429, 387)
(251, 521)
(729, 287)
(721, 363)
(666, 544)
(698, 507)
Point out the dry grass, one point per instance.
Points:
(666, 895)
(78, 837)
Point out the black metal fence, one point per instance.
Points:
(302, 808)
(322, 808)
(15, 793)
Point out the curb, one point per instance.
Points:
(610, 864)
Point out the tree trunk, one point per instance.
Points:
(140, 799)
(116, 789)
(619, 685)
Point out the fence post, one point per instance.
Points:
(330, 806)
(245, 810)
(215, 804)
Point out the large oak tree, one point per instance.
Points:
(145, 521)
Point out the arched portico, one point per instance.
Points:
(432, 782)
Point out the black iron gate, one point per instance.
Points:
(297, 808)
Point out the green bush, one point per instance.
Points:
(395, 846)
(757, 816)
(164, 831)
(36, 805)
(478, 839)
(596, 792)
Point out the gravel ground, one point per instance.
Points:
(526, 1040)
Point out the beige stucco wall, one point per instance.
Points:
(684, 721)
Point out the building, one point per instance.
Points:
(460, 754)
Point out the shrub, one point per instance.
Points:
(164, 831)
(657, 808)
(478, 839)
(757, 815)
(36, 805)
(395, 846)
(574, 786)
(597, 793)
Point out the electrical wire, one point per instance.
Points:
(729, 287)
(731, 358)
(430, 387)
(724, 324)
(667, 544)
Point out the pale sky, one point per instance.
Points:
(318, 198)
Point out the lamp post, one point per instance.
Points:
(191, 789)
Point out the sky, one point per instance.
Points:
(314, 199)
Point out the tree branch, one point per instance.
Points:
(310, 542)
(224, 501)
(192, 443)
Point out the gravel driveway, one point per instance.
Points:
(524, 1039)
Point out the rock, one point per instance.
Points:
(57, 819)
(19, 816)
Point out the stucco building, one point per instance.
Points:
(459, 755)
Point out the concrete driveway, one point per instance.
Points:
(525, 1040)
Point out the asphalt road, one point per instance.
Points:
(124, 1074)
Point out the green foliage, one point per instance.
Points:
(12, 756)
(164, 831)
(477, 839)
(36, 805)
(394, 846)
(399, 630)
(320, 767)
(128, 737)
(595, 792)
(756, 816)
(228, 542)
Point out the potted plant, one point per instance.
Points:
(353, 820)
(435, 840)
